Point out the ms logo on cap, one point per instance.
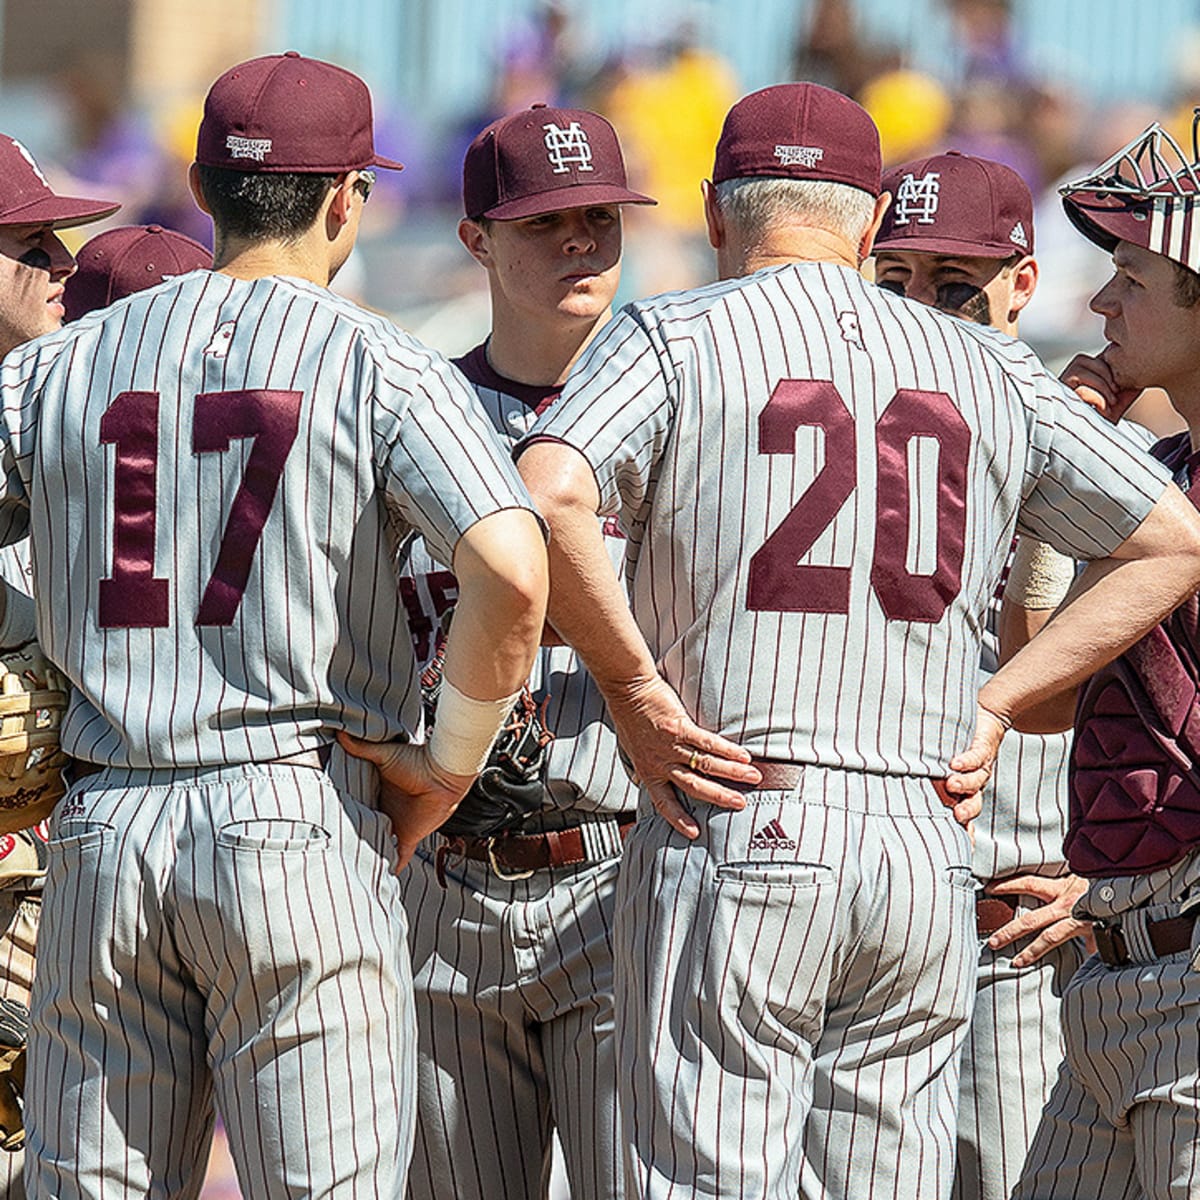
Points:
(568, 147)
(917, 198)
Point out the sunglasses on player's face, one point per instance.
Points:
(364, 183)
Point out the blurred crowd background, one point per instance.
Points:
(107, 94)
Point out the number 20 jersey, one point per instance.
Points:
(820, 482)
(216, 474)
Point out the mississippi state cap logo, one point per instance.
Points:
(799, 156)
(244, 147)
(567, 147)
(917, 198)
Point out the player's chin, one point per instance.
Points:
(583, 307)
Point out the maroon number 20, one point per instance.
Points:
(779, 583)
(133, 597)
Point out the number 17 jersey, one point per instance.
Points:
(820, 482)
(215, 474)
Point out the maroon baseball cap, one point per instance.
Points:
(956, 203)
(26, 198)
(288, 113)
(543, 160)
(800, 131)
(122, 261)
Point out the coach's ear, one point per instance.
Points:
(713, 217)
(868, 241)
(194, 188)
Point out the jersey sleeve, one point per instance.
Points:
(441, 464)
(1088, 484)
(16, 387)
(617, 409)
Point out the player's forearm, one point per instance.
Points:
(1112, 604)
(587, 603)
(500, 564)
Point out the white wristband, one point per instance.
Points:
(1040, 577)
(465, 729)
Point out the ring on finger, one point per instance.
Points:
(693, 759)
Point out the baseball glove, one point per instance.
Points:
(33, 698)
(14, 1028)
(510, 789)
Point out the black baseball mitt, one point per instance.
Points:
(510, 789)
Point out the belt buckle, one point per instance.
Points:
(1111, 944)
(507, 876)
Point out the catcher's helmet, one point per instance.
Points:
(1148, 193)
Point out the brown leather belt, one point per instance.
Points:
(1169, 936)
(776, 777)
(520, 854)
(993, 913)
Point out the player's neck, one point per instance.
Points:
(781, 245)
(535, 352)
(257, 260)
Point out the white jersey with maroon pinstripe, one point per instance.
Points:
(19, 623)
(1014, 1043)
(541, 1035)
(216, 474)
(820, 481)
(583, 768)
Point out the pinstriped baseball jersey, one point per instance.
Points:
(857, 548)
(20, 620)
(583, 755)
(1024, 814)
(223, 470)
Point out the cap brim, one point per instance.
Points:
(944, 245)
(1109, 220)
(62, 212)
(388, 164)
(558, 199)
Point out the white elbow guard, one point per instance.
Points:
(1040, 577)
(465, 729)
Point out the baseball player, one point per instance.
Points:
(958, 235)
(511, 934)
(118, 262)
(34, 264)
(1123, 1118)
(222, 467)
(820, 481)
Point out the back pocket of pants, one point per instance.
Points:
(279, 834)
(774, 874)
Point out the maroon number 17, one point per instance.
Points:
(779, 583)
(133, 597)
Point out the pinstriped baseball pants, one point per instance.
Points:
(791, 1007)
(234, 934)
(513, 983)
(19, 915)
(1123, 1118)
(1009, 1063)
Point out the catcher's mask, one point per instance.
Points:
(1148, 193)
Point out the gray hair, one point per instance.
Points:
(754, 205)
